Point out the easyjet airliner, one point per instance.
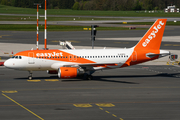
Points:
(71, 63)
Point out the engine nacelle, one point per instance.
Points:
(68, 72)
(52, 71)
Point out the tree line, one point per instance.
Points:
(115, 5)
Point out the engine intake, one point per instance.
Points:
(68, 72)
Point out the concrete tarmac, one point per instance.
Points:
(139, 92)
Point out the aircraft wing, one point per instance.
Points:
(87, 66)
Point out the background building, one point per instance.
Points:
(171, 9)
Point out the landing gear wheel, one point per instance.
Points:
(30, 77)
(87, 77)
(90, 77)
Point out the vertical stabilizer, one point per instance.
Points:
(153, 37)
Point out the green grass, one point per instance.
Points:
(151, 23)
(34, 18)
(18, 10)
(56, 28)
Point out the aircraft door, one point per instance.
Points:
(31, 58)
(134, 56)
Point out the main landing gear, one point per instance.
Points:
(30, 75)
(87, 77)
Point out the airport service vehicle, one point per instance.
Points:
(71, 63)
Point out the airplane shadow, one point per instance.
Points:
(107, 78)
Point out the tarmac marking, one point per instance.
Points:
(109, 113)
(10, 91)
(171, 44)
(133, 102)
(34, 80)
(114, 115)
(74, 41)
(22, 106)
(68, 40)
(51, 80)
(4, 35)
(105, 105)
(122, 42)
(82, 105)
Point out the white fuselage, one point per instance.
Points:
(101, 56)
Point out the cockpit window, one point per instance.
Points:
(16, 57)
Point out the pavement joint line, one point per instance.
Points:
(175, 87)
(22, 106)
(132, 102)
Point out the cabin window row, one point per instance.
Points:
(122, 56)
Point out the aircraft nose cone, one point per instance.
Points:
(7, 64)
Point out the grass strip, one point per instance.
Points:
(34, 18)
(177, 23)
(12, 27)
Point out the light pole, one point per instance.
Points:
(93, 34)
(38, 5)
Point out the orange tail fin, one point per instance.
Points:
(153, 37)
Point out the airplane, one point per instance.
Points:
(84, 62)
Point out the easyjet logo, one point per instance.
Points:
(153, 33)
(53, 54)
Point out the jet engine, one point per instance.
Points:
(69, 72)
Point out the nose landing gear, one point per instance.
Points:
(30, 75)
